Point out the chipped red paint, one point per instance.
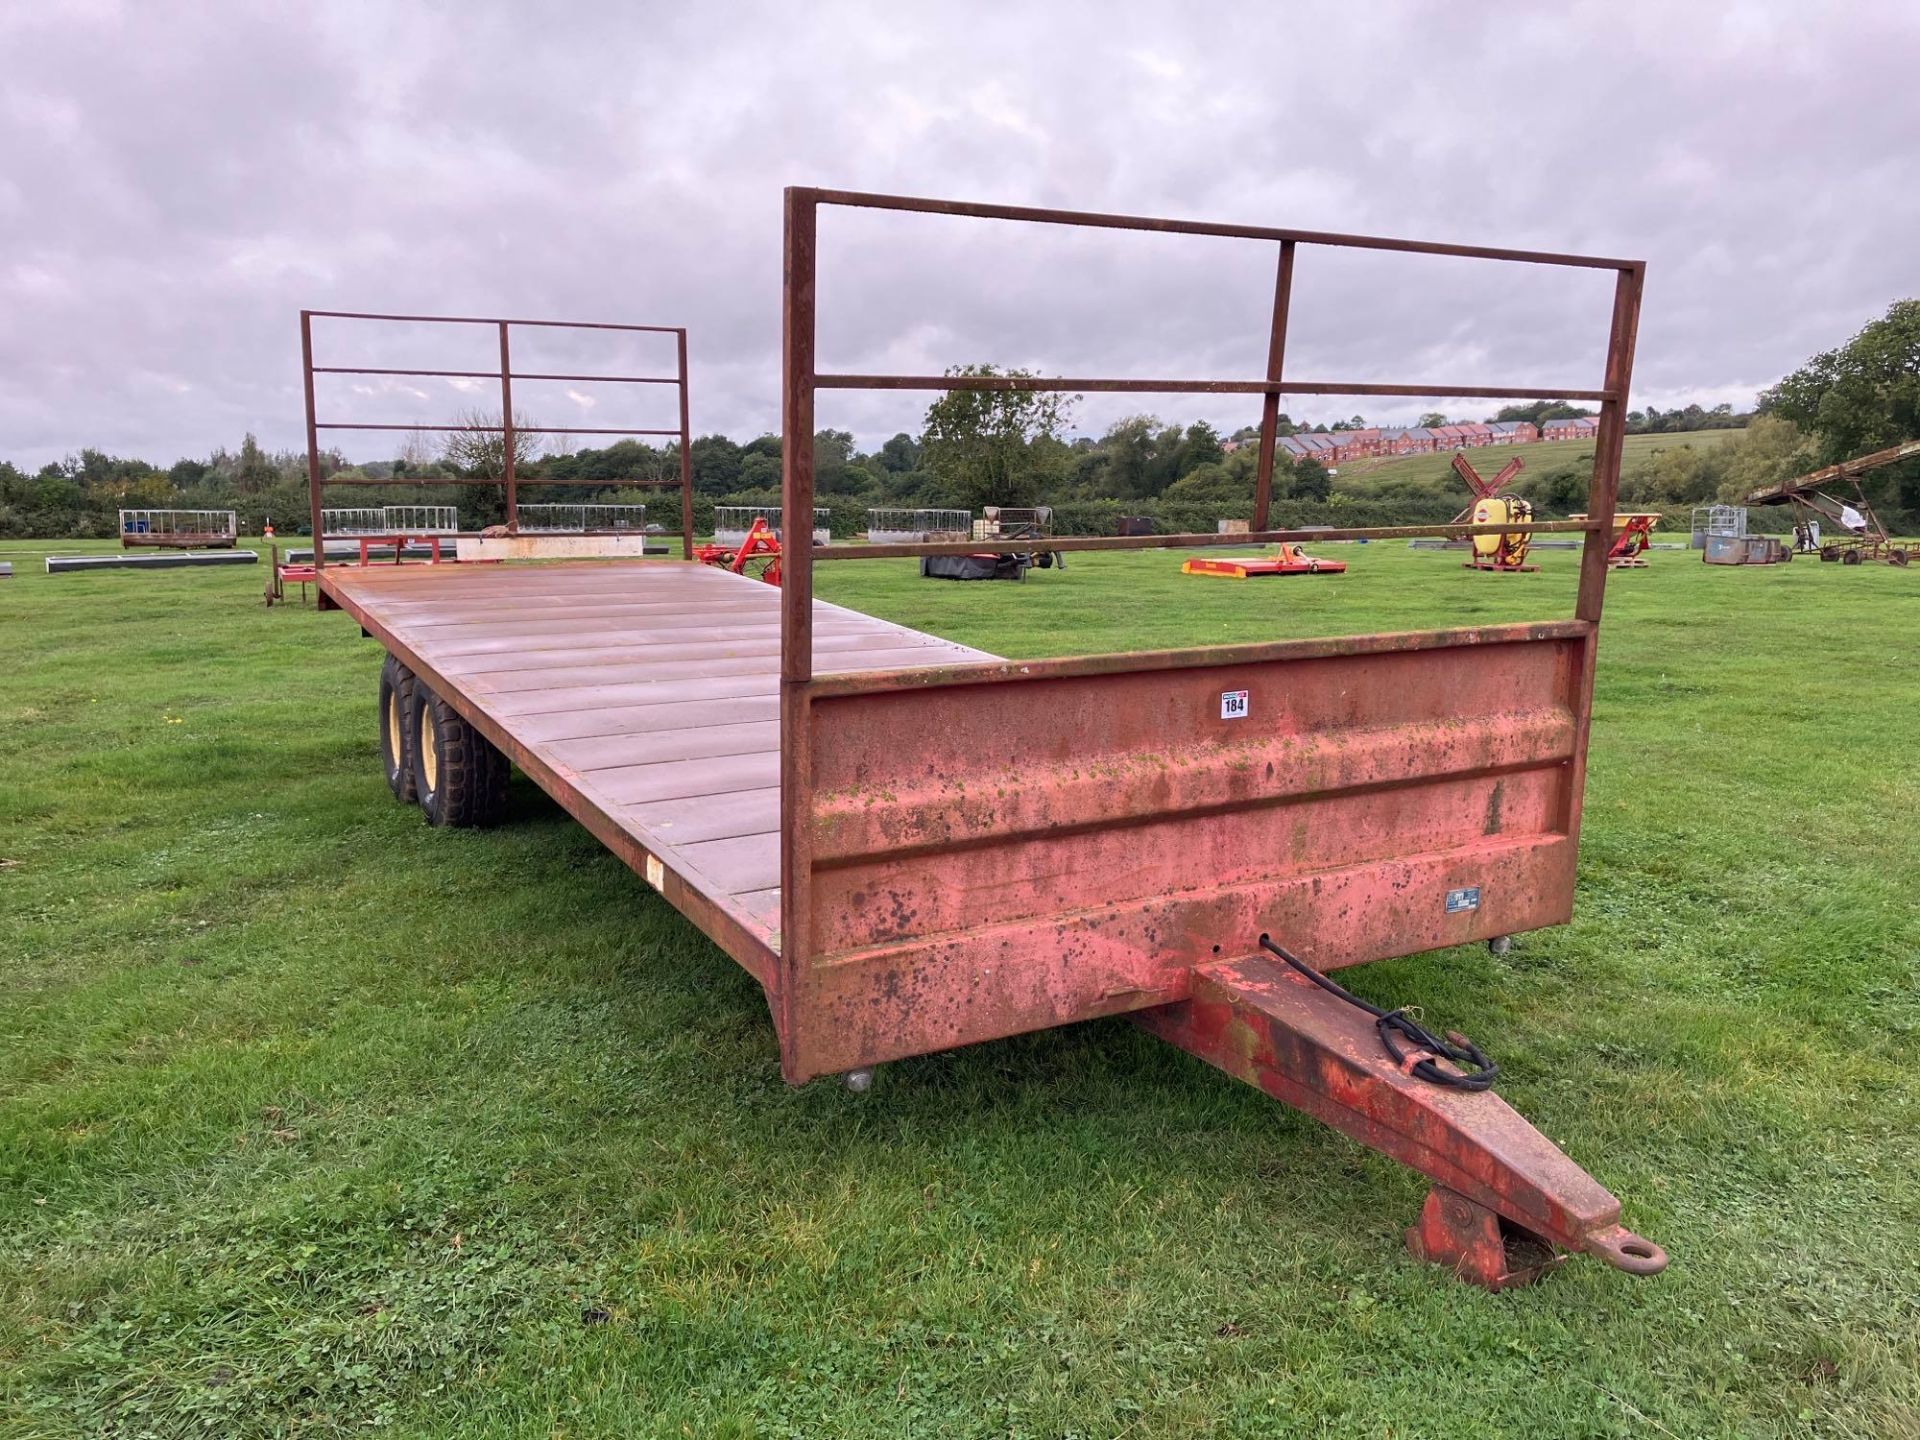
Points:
(1477, 1244)
(1098, 835)
(1261, 1023)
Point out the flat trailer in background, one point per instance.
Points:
(168, 560)
(179, 529)
(1286, 560)
(913, 845)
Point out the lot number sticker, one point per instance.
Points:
(1233, 704)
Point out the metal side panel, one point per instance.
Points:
(1022, 847)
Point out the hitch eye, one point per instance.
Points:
(1624, 1250)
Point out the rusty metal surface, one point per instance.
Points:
(1789, 490)
(1097, 220)
(1479, 1245)
(492, 320)
(1809, 496)
(1269, 1027)
(908, 905)
(1134, 385)
(1744, 550)
(510, 480)
(1276, 371)
(1390, 642)
(981, 850)
(1011, 845)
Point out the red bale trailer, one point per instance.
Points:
(913, 845)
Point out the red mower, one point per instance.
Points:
(761, 546)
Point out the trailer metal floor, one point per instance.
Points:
(650, 690)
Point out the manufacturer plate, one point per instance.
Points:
(1459, 901)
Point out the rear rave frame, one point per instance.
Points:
(970, 849)
(937, 890)
(509, 480)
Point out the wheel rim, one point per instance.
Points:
(393, 731)
(429, 752)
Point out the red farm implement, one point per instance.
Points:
(1286, 560)
(760, 550)
(915, 846)
(1632, 538)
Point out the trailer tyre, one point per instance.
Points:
(1850, 557)
(396, 701)
(458, 774)
(1898, 557)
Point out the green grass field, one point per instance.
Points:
(315, 1121)
(1433, 474)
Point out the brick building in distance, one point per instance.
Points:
(1581, 427)
(1336, 447)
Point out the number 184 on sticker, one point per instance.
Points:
(1233, 704)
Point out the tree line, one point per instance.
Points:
(996, 446)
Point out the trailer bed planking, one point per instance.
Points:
(642, 696)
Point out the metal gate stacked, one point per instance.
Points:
(931, 896)
(504, 377)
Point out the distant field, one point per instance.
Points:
(317, 1122)
(1433, 474)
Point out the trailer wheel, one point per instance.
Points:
(1898, 557)
(1850, 557)
(459, 775)
(396, 699)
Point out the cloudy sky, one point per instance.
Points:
(177, 181)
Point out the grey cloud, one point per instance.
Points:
(179, 181)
